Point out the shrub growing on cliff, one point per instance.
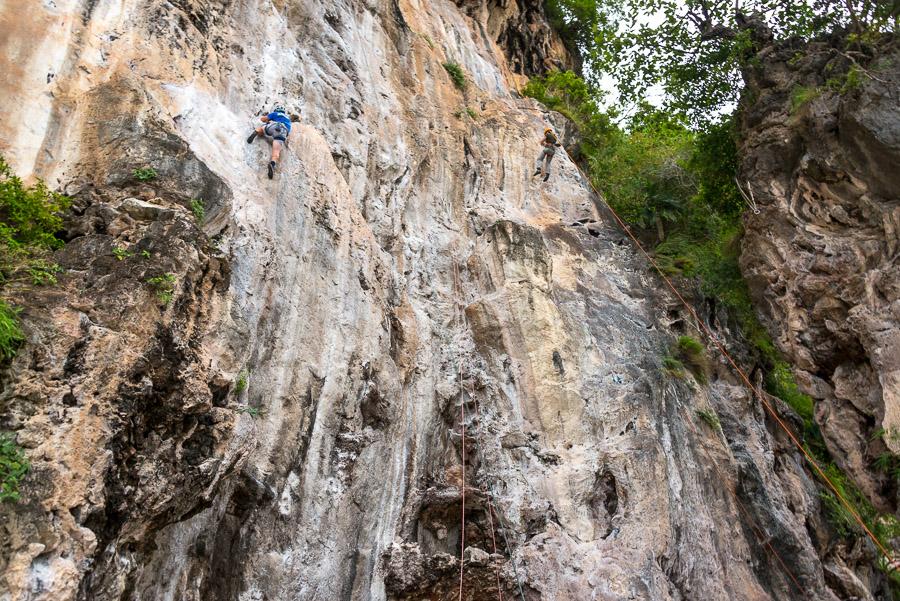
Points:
(197, 208)
(692, 354)
(29, 216)
(673, 367)
(710, 418)
(801, 96)
(425, 37)
(163, 286)
(253, 411)
(456, 74)
(11, 336)
(42, 275)
(13, 467)
(241, 383)
(145, 174)
(29, 220)
(122, 254)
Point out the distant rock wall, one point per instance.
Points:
(823, 255)
(289, 424)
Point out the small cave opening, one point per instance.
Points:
(605, 503)
(439, 528)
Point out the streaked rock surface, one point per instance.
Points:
(330, 292)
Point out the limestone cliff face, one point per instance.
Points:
(288, 424)
(822, 255)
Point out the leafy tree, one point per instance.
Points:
(714, 163)
(567, 93)
(694, 49)
(580, 23)
(660, 207)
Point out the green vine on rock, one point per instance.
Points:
(13, 467)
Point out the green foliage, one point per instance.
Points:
(29, 220)
(673, 367)
(163, 286)
(847, 82)
(242, 382)
(13, 467)
(889, 463)
(780, 382)
(565, 92)
(121, 253)
(456, 74)
(145, 174)
(695, 50)
(801, 96)
(693, 356)
(11, 336)
(892, 434)
(644, 170)
(472, 114)
(458, 113)
(42, 275)
(253, 411)
(883, 526)
(710, 418)
(579, 22)
(29, 216)
(145, 254)
(427, 39)
(713, 164)
(197, 208)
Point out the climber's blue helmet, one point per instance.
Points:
(278, 108)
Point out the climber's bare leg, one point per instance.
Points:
(276, 150)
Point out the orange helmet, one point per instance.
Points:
(548, 129)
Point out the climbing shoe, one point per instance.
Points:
(538, 172)
(271, 169)
(251, 138)
(546, 177)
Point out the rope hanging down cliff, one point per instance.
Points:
(761, 538)
(738, 369)
(461, 326)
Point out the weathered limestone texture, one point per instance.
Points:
(823, 255)
(288, 425)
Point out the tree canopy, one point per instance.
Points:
(693, 49)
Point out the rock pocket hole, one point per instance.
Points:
(604, 503)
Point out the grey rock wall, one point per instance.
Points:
(401, 265)
(821, 257)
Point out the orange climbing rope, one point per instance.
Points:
(460, 321)
(760, 535)
(730, 360)
(462, 421)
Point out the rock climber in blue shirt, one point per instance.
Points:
(277, 127)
